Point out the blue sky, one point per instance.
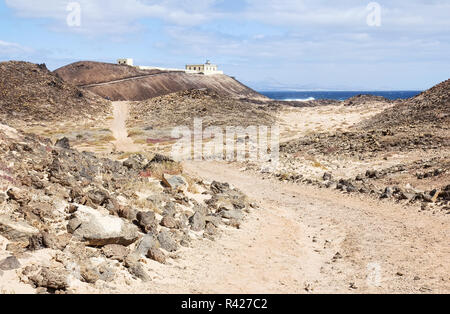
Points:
(282, 44)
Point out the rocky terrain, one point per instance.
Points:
(91, 202)
(363, 99)
(29, 93)
(401, 153)
(429, 110)
(181, 108)
(123, 83)
(71, 221)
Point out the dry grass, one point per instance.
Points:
(192, 184)
(140, 141)
(128, 154)
(134, 133)
(158, 170)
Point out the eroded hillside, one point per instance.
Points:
(128, 83)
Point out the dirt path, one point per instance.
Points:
(119, 128)
(304, 239)
(309, 240)
(127, 79)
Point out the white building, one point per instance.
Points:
(125, 62)
(207, 68)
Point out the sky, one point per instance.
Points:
(267, 44)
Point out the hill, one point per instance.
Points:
(127, 83)
(88, 72)
(429, 109)
(182, 107)
(30, 92)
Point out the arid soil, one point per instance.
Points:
(359, 202)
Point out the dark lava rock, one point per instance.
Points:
(167, 242)
(10, 263)
(63, 143)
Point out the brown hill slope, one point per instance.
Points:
(29, 92)
(429, 109)
(89, 72)
(128, 83)
(182, 107)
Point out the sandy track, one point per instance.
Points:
(119, 129)
(304, 239)
(289, 245)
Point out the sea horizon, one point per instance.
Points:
(337, 95)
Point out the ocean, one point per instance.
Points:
(336, 95)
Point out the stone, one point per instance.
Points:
(146, 243)
(147, 221)
(232, 214)
(35, 243)
(98, 197)
(106, 273)
(158, 158)
(17, 247)
(197, 222)
(89, 274)
(98, 229)
(219, 188)
(127, 213)
(170, 209)
(73, 224)
(55, 278)
(56, 242)
(445, 195)
(115, 251)
(233, 223)
(359, 177)
(211, 229)
(224, 204)
(135, 268)
(177, 183)
(215, 220)
(16, 230)
(351, 189)
(112, 206)
(372, 174)
(10, 263)
(327, 176)
(387, 193)
(170, 222)
(156, 255)
(63, 143)
(134, 162)
(167, 242)
(19, 196)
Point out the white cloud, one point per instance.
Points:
(115, 16)
(9, 49)
(122, 16)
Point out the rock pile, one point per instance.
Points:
(96, 217)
